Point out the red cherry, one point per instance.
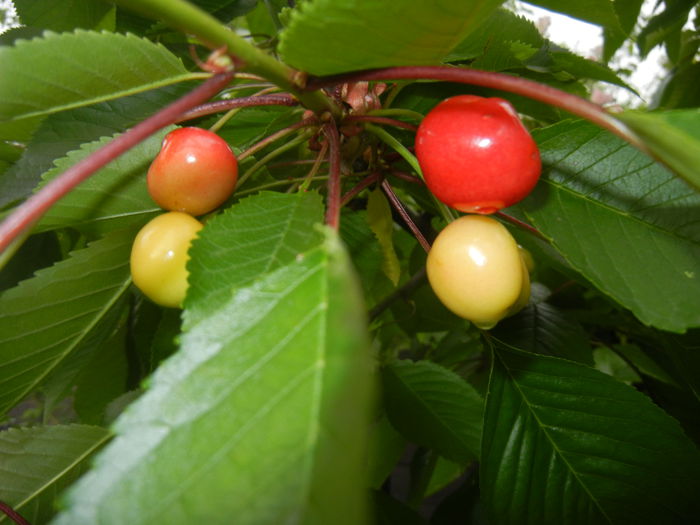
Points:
(476, 155)
(194, 172)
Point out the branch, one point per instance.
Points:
(190, 19)
(241, 102)
(333, 207)
(31, 210)
(521, 86)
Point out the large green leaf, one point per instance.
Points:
(253, 238)
(565, 444)
(37, 463)
(332, 36)
(673, 136)
(62, 311)
(268, 396)
(434, 407)
(66, 15)
(115, 196)
(63, 71)
(629, 226)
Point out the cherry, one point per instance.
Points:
(476, 269)
(159, 257)
(476, 155)
(194, 172)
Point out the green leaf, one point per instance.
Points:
(331, 36)
(114, 197)
(255, 237)
(70, 70)
(566, 444)
(433, 407)
(38, 463)
(673, 137)
(600, 12)
(608, 362)
(382, 224)
(386, 446)
(61, 312)
(544, 329)
(628, 226)
(66, 15)
(627, 12)
(68, 130)
(268, 395)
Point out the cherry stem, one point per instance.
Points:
(381, 120)
(333, 204)
(364, 183)
(521, 86)
(234, 103)
(31, 210)
(314, 169)
(399, 207)
(275, 136)
(520, 224)
(406, 176)
(12, 514)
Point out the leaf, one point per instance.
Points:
(627, 225)
(673, 136)
(543, 329)
(116, 196)
(68, 130)
(330, 36)
(608, 362)
(38, 463)
(62, 311)
(433, 407)
(66, 15)
(627, 12)
(269, 393)
(70, 70)
(566, 444)
(255, 237)
(600, 12)
(382, 224)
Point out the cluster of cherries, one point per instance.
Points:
(193, 174)
(476, 156)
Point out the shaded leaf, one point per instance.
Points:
(66, 15)
(62, 311)
(600, 12)
(116, 196)
(627, 225)
(37, 463)
(70, 70)
(382, 224)
(270, 392)
(566, 444)
(322, 36)
(433, 407)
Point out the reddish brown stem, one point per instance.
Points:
(521, 86)
(406, 176)
(399, 207)
(241, 102)
(30, 211)
(520, 224)
(333, 206)
(364, 183)
(381, 120)
(12, 514)
(271, 138)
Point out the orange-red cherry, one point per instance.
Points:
(476, 155)
(195, 171)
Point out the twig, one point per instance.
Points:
(241, 102)
(31, 210)
(275, 136)
(381, 120)
(364, 183)
(399, 207)
(12, 514)
(333, 199)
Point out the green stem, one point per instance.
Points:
(274, 153)
(186, 17)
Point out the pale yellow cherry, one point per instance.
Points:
(476, 270)
(159, 257)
